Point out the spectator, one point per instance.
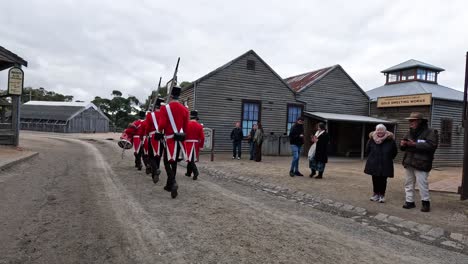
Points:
(296, 139)
(258, 141)
(236, 137)
(319, 155)
(251, 141)
(419, 145)
(381, 150)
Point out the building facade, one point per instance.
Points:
(412, 86)
(63, 117)
(245, 90)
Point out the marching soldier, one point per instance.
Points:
(193, 144)
(137, 130)
(156, 139)
(174, 119)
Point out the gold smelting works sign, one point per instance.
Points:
(404, 100)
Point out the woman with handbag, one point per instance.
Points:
(318, 152)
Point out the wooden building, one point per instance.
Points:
(63, 117)
(331, 96)
(412, 86)
(247, 90)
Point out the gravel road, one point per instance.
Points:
(78, 201)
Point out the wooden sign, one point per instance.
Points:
(208, 144)
(15, 81)
(404, 100)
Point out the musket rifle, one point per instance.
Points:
(154, 96)
(172, 82)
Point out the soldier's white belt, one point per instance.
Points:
(192, 140)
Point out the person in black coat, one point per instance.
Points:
(381, 149)
(296, 139)
(236, 137)
(318, 152)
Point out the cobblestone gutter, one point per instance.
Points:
(395, 225)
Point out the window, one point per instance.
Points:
(421, 74)
(250, 65)
(250, 115)
(294, 112)
(394, 77)
(430, 76)
(407, 75)
(446, 132)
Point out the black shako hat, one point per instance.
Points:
(142, 114)
(159, 101)
(194, 114)
(175, 92)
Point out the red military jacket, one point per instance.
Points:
(137, 128)
(195, 132)
(180, 114)
(150, 127)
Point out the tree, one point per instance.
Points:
(119, 109)
(41, 94)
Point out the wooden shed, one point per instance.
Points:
(63, 117)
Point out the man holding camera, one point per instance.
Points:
(419, 145)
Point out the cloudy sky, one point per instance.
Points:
(88, 48)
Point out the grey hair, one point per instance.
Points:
(380, 126)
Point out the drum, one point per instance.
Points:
(125, 141)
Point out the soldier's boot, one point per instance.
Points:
(426, 206)
(155, 176)
(195, 173)
(148, 170)
(174, 189)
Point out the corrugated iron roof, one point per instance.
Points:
(416, 87)
(412, 64)
(55, 110)
(301, 81)
(346, 118)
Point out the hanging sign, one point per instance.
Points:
(405, 100)
(15, 81)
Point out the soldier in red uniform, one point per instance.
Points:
(136, 131)
(156, 139)
(174, 120)
(194, 140)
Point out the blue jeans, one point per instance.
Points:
(252, 150)
(236, 148)
(296, 151)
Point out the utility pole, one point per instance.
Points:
(463, 190)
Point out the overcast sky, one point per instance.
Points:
(88, 48)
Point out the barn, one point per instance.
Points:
(63, 117)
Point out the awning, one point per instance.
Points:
(346, 118)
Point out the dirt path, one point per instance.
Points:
(82, 203)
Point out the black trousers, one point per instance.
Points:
(154, 162)
(191, 166)
(236, 148)
(380, 184)
(171, 167)
(138, 156)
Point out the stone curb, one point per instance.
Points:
(421, 232)
(17, 161)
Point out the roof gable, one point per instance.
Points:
(409, 88)
(219, 69)
(412, 64)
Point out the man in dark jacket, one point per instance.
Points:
(251, 141)
(236, 137)
(296, 139)
(419, 145)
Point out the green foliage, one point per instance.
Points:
(185, 84)
(120, 110)
(41, 94)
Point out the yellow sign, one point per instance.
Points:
(15, 81)
(404, 100)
